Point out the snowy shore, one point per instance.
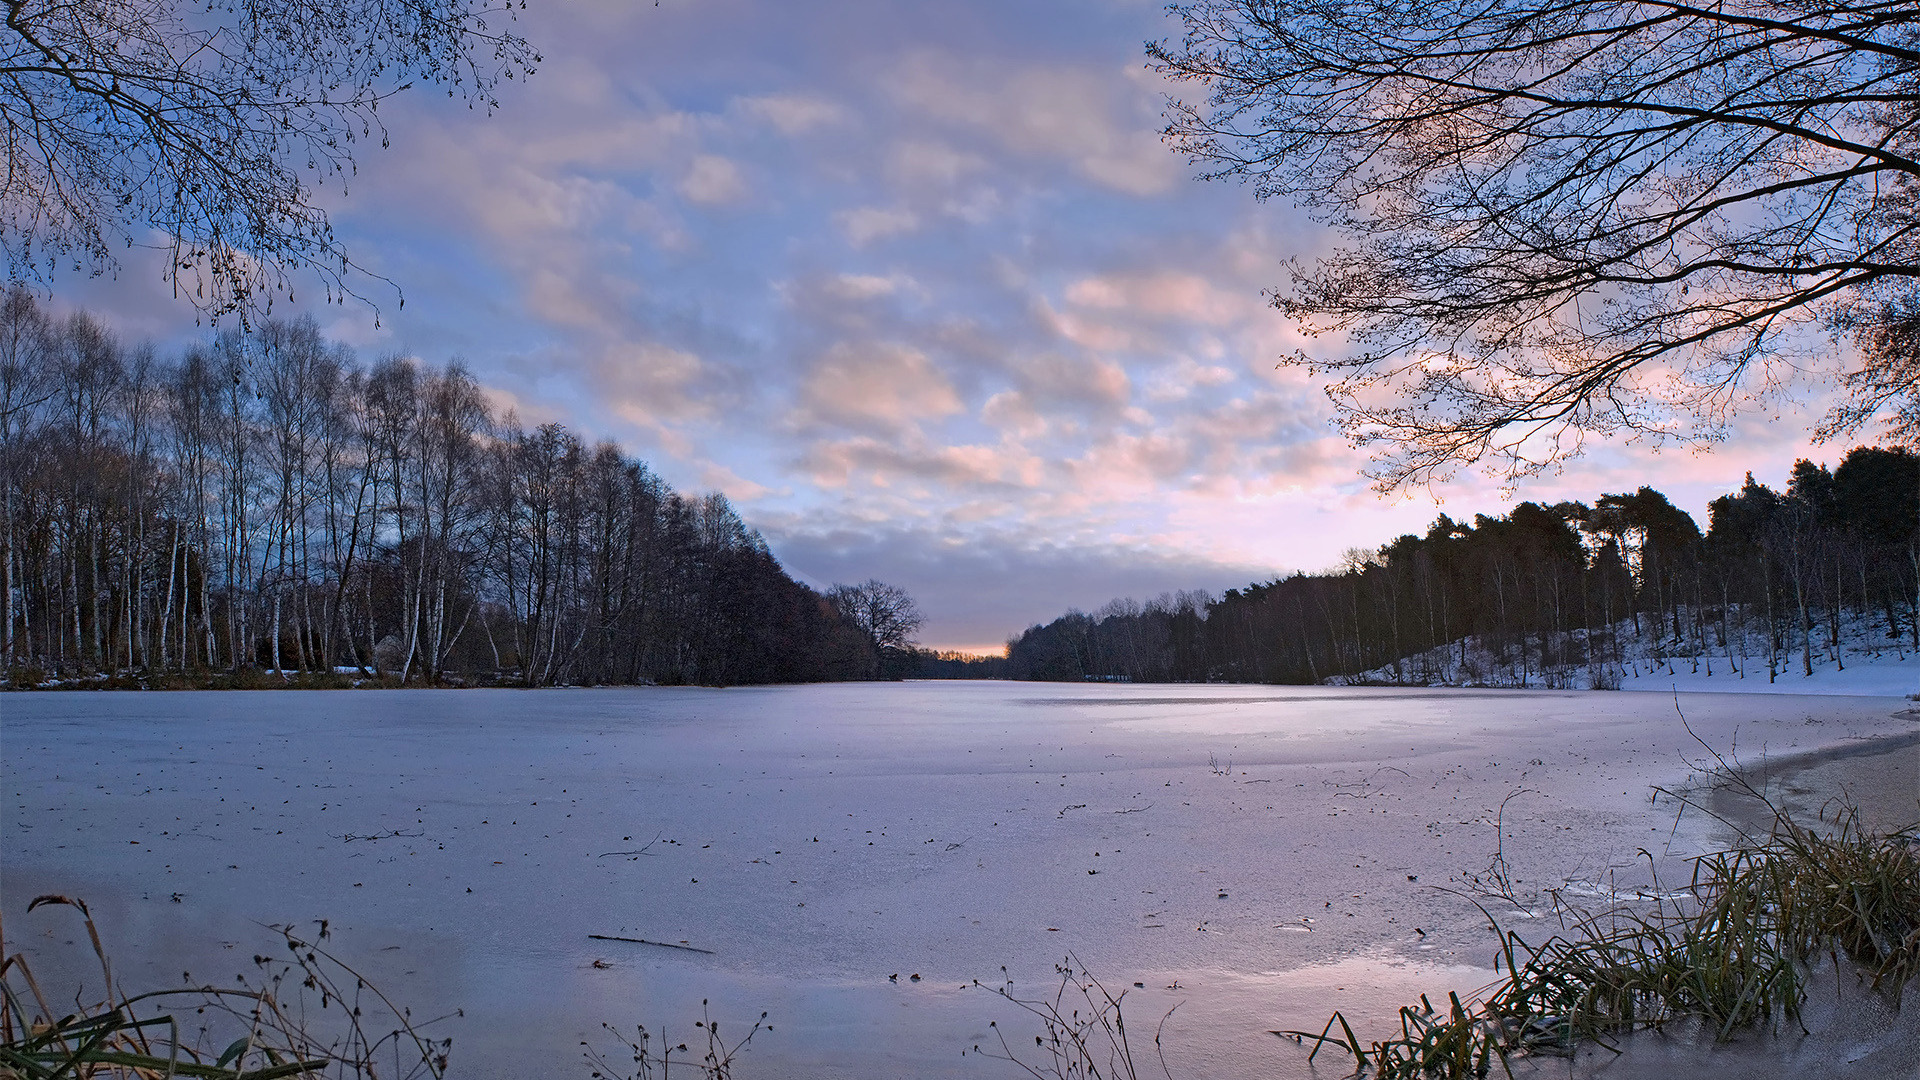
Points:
(1888, 675)
(1856, 658)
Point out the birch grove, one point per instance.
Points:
(266, 503)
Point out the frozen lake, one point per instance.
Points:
(1272, 852)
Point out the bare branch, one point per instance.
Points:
(1570, 217)
(204, 131)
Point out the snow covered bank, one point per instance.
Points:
(1855, 657)
(1886, 675)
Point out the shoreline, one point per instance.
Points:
(1772, 768)
(266, 679)
(1876, 778)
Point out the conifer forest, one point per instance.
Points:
(1564, 595)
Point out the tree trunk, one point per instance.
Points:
(278, 668)
(166, 612)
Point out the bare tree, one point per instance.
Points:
(237, 460)
(209, 124)
(295, 378)
(453, 420)
(1569, 217)
(192, 408)
(884, 613)
(26, 384)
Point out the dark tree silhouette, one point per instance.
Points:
(1578, 216)
(885, 613)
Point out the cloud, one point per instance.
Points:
(861, 287)
(1124, 465)
(647, 384)
(892, 464)
(1012, 413)
(864, 224)
(713, 181)
(736, 487)
(874, 386)
(793, 114)
(979, 587)
(1059, 377)
(1184, 377)
(1185, 297)
(1099, 122)
(923, 166)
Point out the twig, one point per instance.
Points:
(644, 941)
(642, 851)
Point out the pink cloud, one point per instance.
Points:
(1102, 126)
(863, 225)
(888, 464)
(712, 180)
(877, 385)
(1181, 297)
(793, 114)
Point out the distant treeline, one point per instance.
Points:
(1547, 593)
(265, 501)
(948, 664)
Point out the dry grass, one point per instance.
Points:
(303, 1014)
(646, 1063)
(1086, 1030)
(1732, 950)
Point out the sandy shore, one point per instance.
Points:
(1256, 855)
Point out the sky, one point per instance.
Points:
(916, 285)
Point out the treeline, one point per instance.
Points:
(265, 501)
(951, 664)
(1560, 595)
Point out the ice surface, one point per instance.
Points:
(1272, 851)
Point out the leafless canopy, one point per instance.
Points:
(1568, 217)
(886, 614)
(204, 128)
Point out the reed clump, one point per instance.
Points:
(1085, 1029)
(644, 1060)
(1731, 950)
(302, 1014)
